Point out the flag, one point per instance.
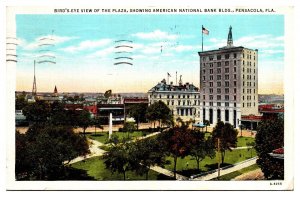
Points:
(205, 31)
(169, 75)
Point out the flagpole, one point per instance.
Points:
(202, 37)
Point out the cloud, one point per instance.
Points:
(155, 35)
(48, 39)
(88, 44)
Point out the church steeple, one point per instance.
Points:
(229, 39)
(55, 93)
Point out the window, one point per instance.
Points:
(234, 104)
(172, 102)
(183, 103)
(211, 97)
(226, 90)
(203, 65)
(167, 102)
(211, 104)
(226, 104)
(167, 96)
(203, 78)
(234, 83)
(219, 64)
(219, 70)
(226, 77)
(211, 58)
(227, 56)
(226, 83)
(218, 97)
(211, 90)
(234, 55)
(204, 58)
(211, 84)
(219, 77)
(234, 69)
(203, 71)
(203, 103)
(234, 62)
(226, 97)
(234, 97)
(159, 96)
(226, 70)
(203, 97)
(234, 90)
(226, 115)
(219, 83)
(211, 65)
(179, 102)
(234, 76)
(188, 96)
(211, 71)
(219, 90)
(219, 104)
(219, 57)
(183, 96)
(211, 77)
(227, 63)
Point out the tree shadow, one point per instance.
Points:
(214, 166)
(71, 173)
(190, 172)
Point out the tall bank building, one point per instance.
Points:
(228, 83)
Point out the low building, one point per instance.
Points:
(182, 99)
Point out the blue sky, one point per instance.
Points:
(84, 49)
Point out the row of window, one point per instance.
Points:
(249, 83)
(219, 104)
(219, 97)
(219, 83)
(249, 104)
(219, 57)
(178, 96)
(249, 70)
(249, 63)
(185, 112)
(219, 77)
(248, 97)
(219, 70)
(184, 103)
(219, 64)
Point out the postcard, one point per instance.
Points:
(149, 97)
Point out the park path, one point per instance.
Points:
(242, 147)
(226, 170)
(94, 149)
(168, 172)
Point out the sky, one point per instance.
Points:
(85, 49)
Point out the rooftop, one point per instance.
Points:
(163, 86)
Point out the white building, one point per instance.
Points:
(228, 83)
(182, 99)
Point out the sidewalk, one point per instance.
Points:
(226, 170)
(94, 149)
(168, 173)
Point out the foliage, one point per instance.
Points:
(270, 136)
(206, 123)
(83, 119)
(42, 151)
(129, 127)
(227, 136)
(38, 111)
(118, 158)
(20, 102)
(201, 147)
(177, 142)
(148, 152)
(107, 93)
(138, 112)
(159, 111)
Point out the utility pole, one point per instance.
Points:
(219, 158)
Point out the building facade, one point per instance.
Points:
(182, 99)
(228, 83)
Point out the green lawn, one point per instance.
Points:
(242, 141)
(95, 168)
(103, 136)
(188, 166)
(232, 175)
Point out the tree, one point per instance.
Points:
(107, 93)
(250, 145)
(177, 142)
(118, 158)
(20, 102)
(138, 112)
(43, 150)
(37, 112)
(148, 152)
(83, 119)
(227, 136)
(159, 111)
(129, 127)
(201, 147)
(270, 136)
(206, 123)
(98, 122)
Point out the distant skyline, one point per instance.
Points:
(85, 50)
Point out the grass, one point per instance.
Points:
(234, 174)
(103, 137)
(242, 141)
(188, 166)
(95, 168)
